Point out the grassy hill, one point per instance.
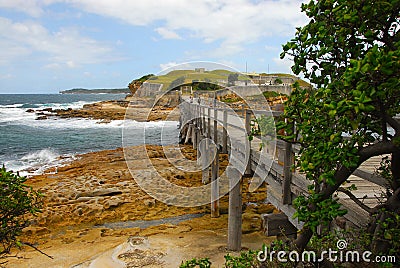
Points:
(215, 76)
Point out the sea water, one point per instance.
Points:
(31, 146)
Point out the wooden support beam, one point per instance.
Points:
(247, 134)
(209, 123)
(203, 125)
(235, 209)
(196, 139)
(215, 186)
(205, 170)
(199, 119)
(189, 133)
(371, 177)
(215, 127)
(278, 224)
(287, 174)
(225, 133)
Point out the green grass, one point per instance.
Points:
(270, 94)
(214, 76)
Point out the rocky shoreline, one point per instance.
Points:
(83, 197)
(143, 109)
(96, 215)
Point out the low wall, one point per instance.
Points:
(246, 91)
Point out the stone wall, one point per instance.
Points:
(149, 89)
(245, 91)
(168, 99)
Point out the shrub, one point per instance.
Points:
(201, 263)
(17, 201)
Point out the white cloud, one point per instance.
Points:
(31, 7)
(284, 65)
(66, 47)
(168, 65)
(271, 48)
(167, 34)
(6, 76)
(234, 23)
(53, 66)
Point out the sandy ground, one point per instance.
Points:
(95, 215)
(161, 246)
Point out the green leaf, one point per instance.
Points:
(332, 113)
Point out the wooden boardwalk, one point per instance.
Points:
(230, 132)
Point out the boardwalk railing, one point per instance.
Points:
(214, 122)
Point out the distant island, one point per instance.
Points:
(96, 91)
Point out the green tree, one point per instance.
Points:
(205, 86)
(349, 54)
(17, 201)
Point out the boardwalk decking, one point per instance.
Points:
(230, 131)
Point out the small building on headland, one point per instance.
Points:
(263, 79)
(199, 70)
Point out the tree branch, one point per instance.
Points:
(35, 248)
(355, 199)
(379, 148)
(342, 174)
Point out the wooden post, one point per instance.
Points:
(209, 123)
(248, 131)
(205, 173)
(225, 133)
(235, 210)
(203, 126)
(215, 186)
(287, 174)
(195, 136)
(199, 121)
(215, 128)
(189, 133)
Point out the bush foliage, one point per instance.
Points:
(17, 201)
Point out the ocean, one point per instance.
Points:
(31, 146)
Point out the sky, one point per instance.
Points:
(51, 45)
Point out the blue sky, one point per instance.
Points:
(51, 45)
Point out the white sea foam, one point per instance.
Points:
(37, 162)
(73, 105)
(15, 115)
(18, 112)
(80, 123)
